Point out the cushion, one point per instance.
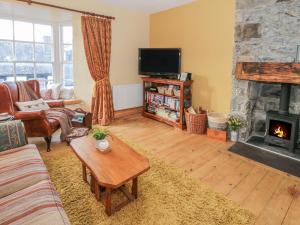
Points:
(37, 204)
(55, 88)
(20, 168)
(35, 105)
(48, 94)
(66, 93)
(12, 135)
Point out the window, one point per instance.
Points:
(67, 55)
(27, 51)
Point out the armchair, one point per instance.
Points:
(36, 123)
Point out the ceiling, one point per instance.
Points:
(21, 10)
(148, 6)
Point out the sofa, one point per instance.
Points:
(27, 195)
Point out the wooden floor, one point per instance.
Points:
(273, 196)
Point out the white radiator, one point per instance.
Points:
(127, 96)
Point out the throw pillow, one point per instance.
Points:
(66, 93)
(55, 91)
(35, 105)
(48, 94)
(12, 135)
(42, 92)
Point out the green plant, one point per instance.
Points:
(235, 122)
(99, 134)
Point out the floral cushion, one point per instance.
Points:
(12, 135)
(48, 94)
(35, 105)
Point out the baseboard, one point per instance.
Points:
(127, 112)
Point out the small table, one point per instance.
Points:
(110, 170)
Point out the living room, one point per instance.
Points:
(149, 112)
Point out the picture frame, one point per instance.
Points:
(184, 76)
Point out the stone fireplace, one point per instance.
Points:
(266, 31)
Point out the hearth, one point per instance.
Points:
(281, 126)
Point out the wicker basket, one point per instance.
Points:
(196, 123)
(217, 121)
(161, 90)
(176, 93)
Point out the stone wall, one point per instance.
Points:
(266, 31)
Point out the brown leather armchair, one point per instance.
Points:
(36, 123)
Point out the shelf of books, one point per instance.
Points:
(165, 100)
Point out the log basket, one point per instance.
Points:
(196, 123)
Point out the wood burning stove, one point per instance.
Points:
(281, 126)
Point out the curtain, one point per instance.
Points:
(97, 44)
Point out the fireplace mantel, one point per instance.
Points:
(270, 72)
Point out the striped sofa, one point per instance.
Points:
(27, 195)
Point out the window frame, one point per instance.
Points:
(61, 49)
(56, 47)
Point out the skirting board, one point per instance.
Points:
(127, 112)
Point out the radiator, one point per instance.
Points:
(127, 96)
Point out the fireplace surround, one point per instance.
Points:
(266, 32)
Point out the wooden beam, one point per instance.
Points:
(270, 72)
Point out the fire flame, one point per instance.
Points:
(279, 132)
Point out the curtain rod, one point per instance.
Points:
(65, 8)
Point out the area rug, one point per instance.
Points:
(166, 196)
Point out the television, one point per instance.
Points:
(159, 61)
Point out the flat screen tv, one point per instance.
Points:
(159, 61)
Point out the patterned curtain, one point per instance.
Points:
(97, 44)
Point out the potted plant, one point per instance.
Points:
(234, 124)
(100, 135)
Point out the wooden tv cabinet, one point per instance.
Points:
(184, 100)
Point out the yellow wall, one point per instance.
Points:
(205, 32)
(130, 31)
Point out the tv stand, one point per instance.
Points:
(166, 107)
(169, 77)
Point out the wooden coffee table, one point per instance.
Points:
(110, 170)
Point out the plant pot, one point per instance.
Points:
(234, 135)
(102, 145)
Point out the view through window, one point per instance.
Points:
(27, 52)
(67, 53)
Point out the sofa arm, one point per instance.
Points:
(34, 115)
(55, 103)
(12, 135)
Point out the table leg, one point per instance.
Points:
(92, 184)
(108, 202)
(97, 191)
(84, 177)
(134, 187)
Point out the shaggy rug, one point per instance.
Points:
(165, 196)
